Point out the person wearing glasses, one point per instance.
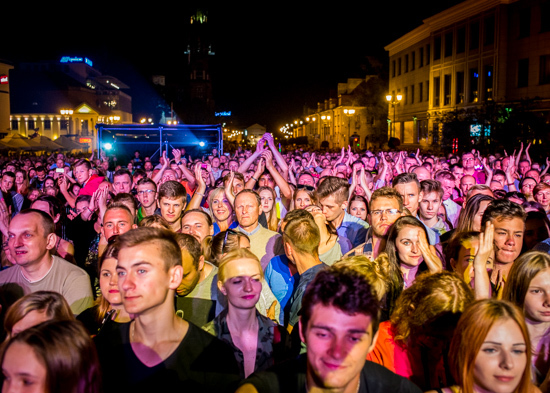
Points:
(385, 206)
(147, 197)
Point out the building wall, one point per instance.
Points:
(480, 51)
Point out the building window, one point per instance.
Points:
(413, 60)
(406, 63)
(489, 30)
(30, 124)
(64, 124)
(523, 73)
(448, 44)
(15, 125)
(437, 48)
(524, 22)
(420, 92)
(460, 88)
(393, 69)
(447, 90)
(47, 124)
(489, 77)
(406, 96)
(461, 40)
(544, 71)
(399, 66)
(427, 54)
(474, 35)
(436, 87)
(412, 94)
(473, 78)
(421, 57)
(427, 90)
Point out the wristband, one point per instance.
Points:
(199, 193)
(253, 178)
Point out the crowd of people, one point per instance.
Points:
(263, 271)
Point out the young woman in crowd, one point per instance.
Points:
(408, 251)
(528, 287)
(21, 182)
(304, 196)
(414, 342)
(256, 340)
(108, 306)
(35, 308)
(268, 198)
(221, 211)
(489, 351)
(53, 357)
(359, 207)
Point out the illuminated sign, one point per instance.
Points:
(68, 59)
(85, 140)
(226, 113)
(3, 79)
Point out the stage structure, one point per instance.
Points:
(152, 140)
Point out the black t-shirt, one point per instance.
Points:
(290, 377)
(201, 363)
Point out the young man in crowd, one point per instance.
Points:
(158, 350)
(432, 199)
(172, 199)
(333, 194)
(339, 325)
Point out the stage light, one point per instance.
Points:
(201, 144)
(108, 146)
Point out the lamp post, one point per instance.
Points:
(349, 113)
(393, 101)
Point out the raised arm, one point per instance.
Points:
(195, 202)
(246, 163)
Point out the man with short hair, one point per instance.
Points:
(147, 197)
(385, 207)
(422, 173)
(408, 186)
(447, 181)
(301, 240)
(83, 173)
(122, 181)
(432, 199)
(172, 199)
(468, 163)
(333, 194)
(31, 241)
(158, 350)
(7, 186)
(339, 325)
(197, 223)
(265, 244)
(508, 220)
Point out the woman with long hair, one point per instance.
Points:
(304, 196)
(528, 287)
(221, 210)
(359, 207)
(269, 207)
(56, 356)
(408, 250)
(22, 182)
(240, 324)
(489, 350)
(108, 306)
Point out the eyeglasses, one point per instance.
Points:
(389, 212)
(143, 192)
(305, 186)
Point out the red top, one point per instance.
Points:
(91, 185)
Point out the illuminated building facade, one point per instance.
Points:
(475, 54)
(68, 97)
(356, 117)
(5, 68)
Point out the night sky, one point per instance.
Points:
(270, 60)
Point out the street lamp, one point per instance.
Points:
(349, 113)
(393, 101)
